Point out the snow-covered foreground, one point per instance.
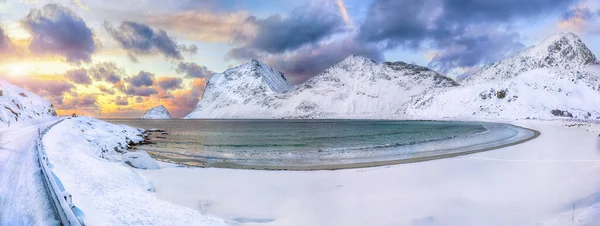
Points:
(86, 154)
(534, 183)
(23, 199)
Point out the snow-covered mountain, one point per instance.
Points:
(158, 112)
(560, 77)
(356, 87)
(19, 105)
(245, 91)
(563, 51)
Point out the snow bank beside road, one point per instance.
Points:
(86, 156)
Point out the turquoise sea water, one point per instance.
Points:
(298, 142)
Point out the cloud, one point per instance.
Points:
(143, 78)
(303, 43)
(140, 39)
(5, 43)
(200, 26)
(486, 44)
(58, 30)
(141, 91)
(106, 71)
(275, 34)
(105, 89)
(302, 64)
(81, 102)
(51, 88)
(169, 83)
(121, 101)
(436, 24)
(580, 18)
(79, 76)
(193, 70)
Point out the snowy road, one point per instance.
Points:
(23, 199)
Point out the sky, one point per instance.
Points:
(116, 59)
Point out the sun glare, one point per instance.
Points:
(18, 69)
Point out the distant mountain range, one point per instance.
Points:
(560, 77)
(557, 78)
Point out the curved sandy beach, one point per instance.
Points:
(535, 182)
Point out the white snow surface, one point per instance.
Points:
(534, 183)
(356, 87)
(86, 156)
(158, 112)
(560, 74)
(532, 94)
(140, 159)
(23, 198)
(19, 105)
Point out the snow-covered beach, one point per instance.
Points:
(534, 183)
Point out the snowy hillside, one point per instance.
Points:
(19, 105)
(90, 164)
(158, 112)
(558, 78)
(354, 87)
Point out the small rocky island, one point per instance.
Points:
(158, 112)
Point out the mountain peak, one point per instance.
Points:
(158, 112)
(564, 51)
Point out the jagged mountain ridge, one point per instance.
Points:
(18, 105)
(158, 112)
(354, 87)
(563, 51)
(560, 77)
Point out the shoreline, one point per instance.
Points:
(192, 162)
(478, 189)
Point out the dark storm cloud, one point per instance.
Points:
(140, 39)
(58, 30)
(106, 71)
(301, 65)
(169, 83)
(79, 76)
(193, 70)
(276, 34)
(471, 49)
(143, 78)
(447, 24)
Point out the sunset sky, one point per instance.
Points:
(119, 58)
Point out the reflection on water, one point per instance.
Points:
(301, 141)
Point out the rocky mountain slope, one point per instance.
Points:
(158, 112)
(560, 77)
(355, 87)
(563, 51)
(19, 105)
(245, 91)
